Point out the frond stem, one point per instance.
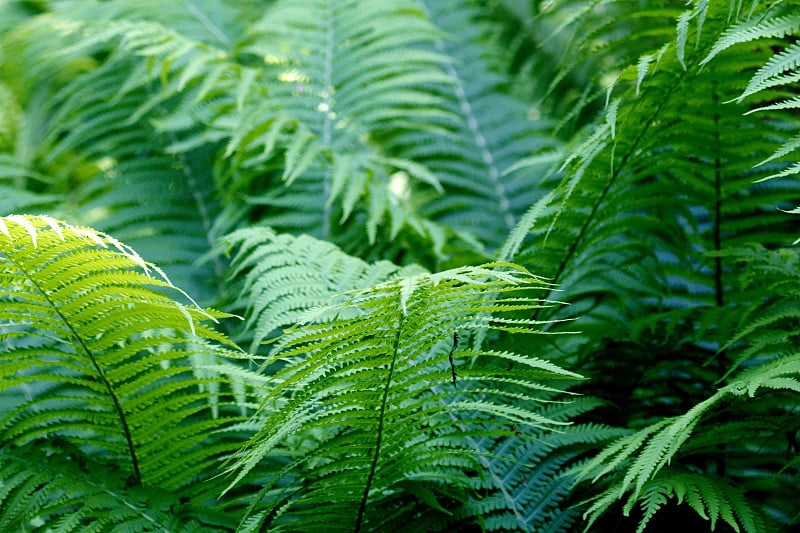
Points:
(480, 141)
(381, 418)
(718, 201)
(114, 400)
(326, 125)
(612, 179)
(213, 28)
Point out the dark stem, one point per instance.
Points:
(381, 417)
(718, 202)
(612, 179)
(117, 406)
(718, 288)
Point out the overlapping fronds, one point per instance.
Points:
(105, 133)
(94, 352)
(657, 195)
(284, 276)
(710, 496)
(531, 472)
(402, 389)
(644, 155)
(639, 155)
(746, 418)
(773, 86)
(68, 492)
(647, 191)
(645, 455)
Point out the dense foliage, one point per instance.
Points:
(400, 265)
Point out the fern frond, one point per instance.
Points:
(474, 156)
(649, 481)
(710, 496)
(627, 158)
(105, 358)
(384, 412)
(751, 30)
(341, 83)
(647, 453)
(106, 131)
(286, 276)
(530, 472)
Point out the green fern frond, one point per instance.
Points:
(174, 197)
(529, 472)
(646, 454)
(474, 156)
(96, 353)
(711, 497)
(648, 479)
(391, 407)
(779, 72)
(286, 276)
(343, 82)
(751, 30)
(107, 129)
(781, 69)
(628, 157)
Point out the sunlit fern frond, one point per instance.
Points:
(392, 410)
(95, 352)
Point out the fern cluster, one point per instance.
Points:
(331, 174)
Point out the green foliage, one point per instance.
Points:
(284, 276)
(331, 171)
(387, 415)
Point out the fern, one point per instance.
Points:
(328, 170)
(286, 276)
(474, 157)
(340, 81)
(95, 354)
(68, 493)
(582, 246)
(779, 71)
(89, 124)
(382, 416)
(710, 497)
(530, 472)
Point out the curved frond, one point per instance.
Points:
(95, 352)
(285, 276)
